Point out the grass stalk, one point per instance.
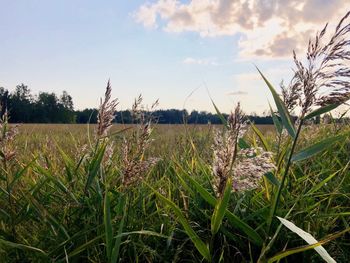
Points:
(277, 197)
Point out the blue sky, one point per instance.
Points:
(164, 49)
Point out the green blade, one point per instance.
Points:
(220, 208)
(282, 110)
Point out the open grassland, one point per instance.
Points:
(64, 197)
(230, 193)
(37, 139)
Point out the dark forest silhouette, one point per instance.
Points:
(48, 107)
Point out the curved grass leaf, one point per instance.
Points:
(318, 244)
(276, 121)
(282, 110)
(85, 246)
(261, 137)
(94, 166)
(232, 218)
(142, 232)
(272, 178)
(222, 118)
(21, 246)
(108, 225)
(60, 185)
(323, 182)
(199, 244)
(321, 110)
(20, 173)
(121, 211)
(243, 144)
(220, 208)
(308, 238)
(318, 147)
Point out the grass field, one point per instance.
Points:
(188, 193)
(64, 197)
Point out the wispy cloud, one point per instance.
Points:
(200, 61)
(237, 93)
(267, 28)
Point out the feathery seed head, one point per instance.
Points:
(225, 149)
(247, 166)
(135, 166)
(8, 134)
(325, 78)
(250, 167)
(106, 113)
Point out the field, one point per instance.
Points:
(124, 187)
(136, 196)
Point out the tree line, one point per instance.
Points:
(48, 107)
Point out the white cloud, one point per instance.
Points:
(200, 61)
(237, 93)
(270, 28)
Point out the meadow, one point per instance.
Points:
(63, 198)
(188, 193)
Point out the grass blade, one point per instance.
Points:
(220, 208)
(222, 118)
(21, 246)
(321, 110)
(292, 251)
(233, 219)
(20, 173)
(276, 121)
(317, 147)
(261, 137)
(199, 244)
(108, 225)
(282, 110)
(272, 178)
(118, 240)
(308, 238)
(94, 166)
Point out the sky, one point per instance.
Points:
(181, 52)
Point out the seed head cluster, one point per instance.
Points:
(135, 166)
(325, 77)
(251, 165)
(246, 166)
(106, 113)
(8, 134)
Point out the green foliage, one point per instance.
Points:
(61, 200)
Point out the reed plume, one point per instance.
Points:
(251, 165)
(325, 77)
(245, 166)
(106, 112)
(290, 94)
(135, 166)
(8, 134)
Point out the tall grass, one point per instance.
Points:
(146, 193)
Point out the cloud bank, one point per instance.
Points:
(270, 28)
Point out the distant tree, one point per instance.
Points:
(20, 104)
(86, 116)
(67, 101)
(67, 114)
(47, 108)
(4, 97)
